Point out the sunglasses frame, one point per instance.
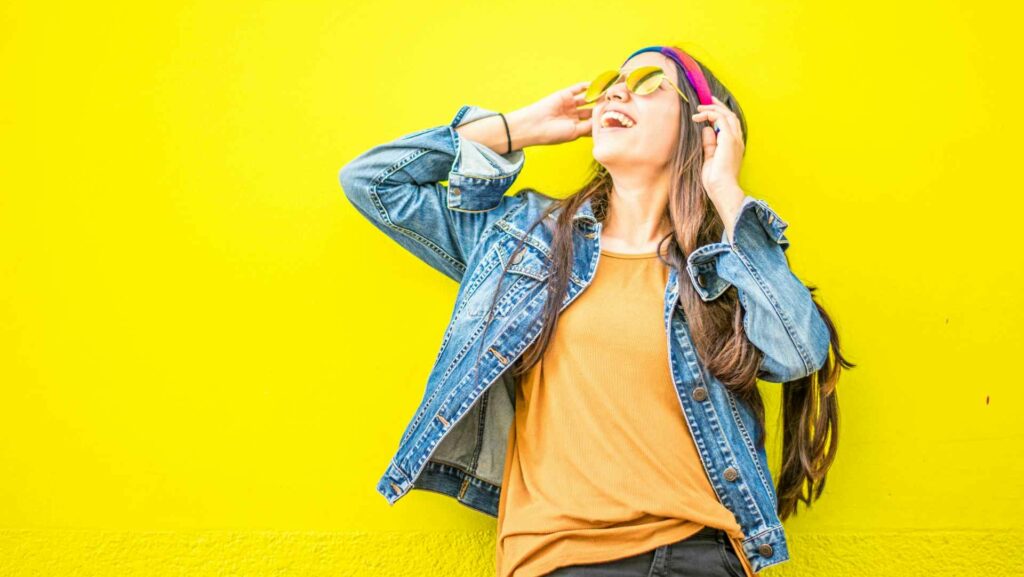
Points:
(645, 70)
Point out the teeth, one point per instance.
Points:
(622, 118)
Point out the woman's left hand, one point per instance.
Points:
(723, 152)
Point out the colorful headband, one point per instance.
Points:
(693, 72)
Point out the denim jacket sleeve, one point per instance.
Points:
(779, 318)
(397, 187)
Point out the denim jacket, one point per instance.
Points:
(455, 442)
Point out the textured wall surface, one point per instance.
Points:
(315, 554)
(208, 357)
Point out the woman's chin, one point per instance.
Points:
(610, 149)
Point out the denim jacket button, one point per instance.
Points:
(455, 190)
(702, 281)
(731, 474)
(517, 258)
(765, 550)
(700, 394)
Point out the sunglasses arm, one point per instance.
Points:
(672, 84)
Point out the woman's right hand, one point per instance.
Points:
(558, 118)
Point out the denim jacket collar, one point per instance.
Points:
(585, 213)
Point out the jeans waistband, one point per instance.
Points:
(710, 533)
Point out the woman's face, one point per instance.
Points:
(648, 144)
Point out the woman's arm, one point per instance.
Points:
(489, 131)
(780, 317)
(398, 186)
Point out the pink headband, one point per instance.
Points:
(693, 72)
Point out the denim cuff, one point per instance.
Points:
(757, 228)
(479, 176)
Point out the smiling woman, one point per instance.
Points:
(596, 389)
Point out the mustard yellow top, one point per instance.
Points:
(601, 464)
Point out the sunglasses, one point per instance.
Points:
(641, 81)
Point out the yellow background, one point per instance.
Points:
(207, 356)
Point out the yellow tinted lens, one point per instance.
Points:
(645, 80)
(603, 82)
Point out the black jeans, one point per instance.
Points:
(707, 553)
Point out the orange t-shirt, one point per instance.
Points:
(601, 464)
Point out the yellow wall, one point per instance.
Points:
(207, 357)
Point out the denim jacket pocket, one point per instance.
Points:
(528, 260)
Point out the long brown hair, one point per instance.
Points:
(810, 408)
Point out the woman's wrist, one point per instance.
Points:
(491, 131)
(522, 125)
(727, 201)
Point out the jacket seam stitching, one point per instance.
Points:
(401, 472)
(380, 179)
(711, 414)
(746, 437)
(496, 372)
(779, 313)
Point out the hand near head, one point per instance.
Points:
(723, 152)
(558, 118)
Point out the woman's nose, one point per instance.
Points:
(617, 91)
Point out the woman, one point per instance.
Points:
(586, 462)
